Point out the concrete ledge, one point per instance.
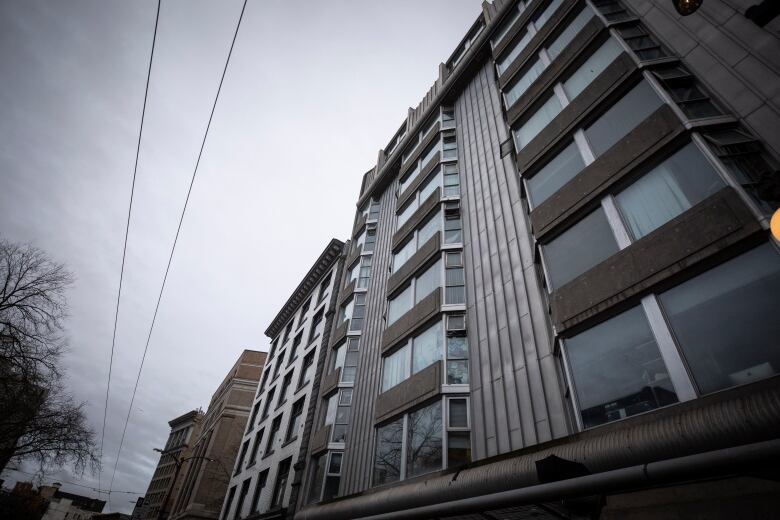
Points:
(346, 292)
(572, 115)
(319, 441)
(330, 382)
(579, 46)
(404, 197)
(532, 49)
(417, 218)
(711, 226)
(354, 256)
(425, 253)
(516, 28)
(432, 135)
(359, 225)
(635, 148)
(420, 387)
(339, 334)
(412, 320)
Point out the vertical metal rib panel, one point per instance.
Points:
(516, 394)
(358, 459)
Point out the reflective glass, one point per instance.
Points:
(427, 282)
(387, 459)
(395, 368)
(592, 67)
(618, 370)
(555, 174)
(427, 347)
(568, 34)
(399, 305)
(424, 452)
(538, 121)
(725, 320)
(521, 85)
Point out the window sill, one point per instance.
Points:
(289, 441)
(290, 362)
(312, 340)
(280, 405)
(251, 464)
(302, 386)
(267, 454)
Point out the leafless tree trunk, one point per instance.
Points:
(39, 420)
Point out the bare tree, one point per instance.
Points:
(39, 420)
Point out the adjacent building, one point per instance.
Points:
(68, 506)
(214, 452)
(270, 467)
(169, 474)
(559, 295)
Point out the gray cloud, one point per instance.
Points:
(313, 90)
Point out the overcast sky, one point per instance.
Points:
(314, 89)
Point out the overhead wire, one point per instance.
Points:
(175, 241)
(124, 248)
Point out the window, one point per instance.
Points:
(268, 399)
(433, 181)
(593, 241)
(424, 438)
(669, 189)
(389, 446)
(337, 357)
(241, 497)
(326, 473)
(324, 287)
(308, 369)
(294, 348)
(420, 287)
(555, 174)
(364, 274)
(537, 121)
(449, 146)
(345, 311)
(256, 446)
(419, 352)
(431, 226)
(287, 331)
(358, 312)
(280, 487)
(457, 350)
(275, 425)
(262, 478)
(541, 18)
(591, 68)
(317, 478)
(524, 80)
(329, 409)
(229, 502)
(455, 283)
(278, 366)
(508, 23)
(373, 210)
(315, 321)
(458, 437)
(285, 388)
(295, 420)
(451, 181)
(622, 117)
(341, 419)
(273, 348)
(253, 418)
(686, 93)
(350, 360)
(447, 118)
(725, 320)
(644, 45)
(370, 238)
(453, 228)
(618, 370)
(568, 34)
(404, 254)
(743, 156)
(241, 457)
(304, 310)
(525, 36)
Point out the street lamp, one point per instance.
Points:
(178, 462)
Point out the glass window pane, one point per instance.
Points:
(622, 117)
(555, 174)
(537, 122)
(459, 413)
(330, 411)
(339, 433)
(404, 254)
(680, 182)
(579, 248)
(519, 87)
(545, 15)
(345, 396)
(568, 34)
(430, 186)
(592, 67)
(387, 460)
(507, 24)
(457, 347)
(458, 449)
(331, 488)
(424, 441)
(428, 230)
(340, 353)
(458, 372)
(406, 213)
(432, 149)
(427, 347)
(335, 464)
(517, 48)
(399, 305)
(618, 370)
(318, 475)
(427, 282)
(725, 320)
(395, 368)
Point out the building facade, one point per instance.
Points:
(169, 474)
(270, 466)
(68, 506)
(561, 271)
(214, 452)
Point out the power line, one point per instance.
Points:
(97, 489)
(175, 240)
(124, 248)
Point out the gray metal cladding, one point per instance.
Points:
(359, 447)
(517, 397)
